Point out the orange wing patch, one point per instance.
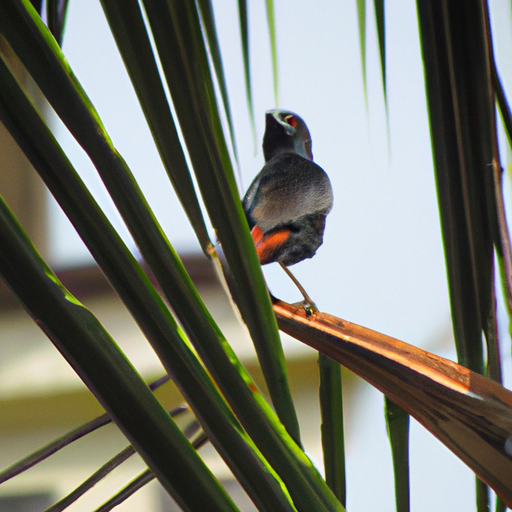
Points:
(257, 235)
(266, 246)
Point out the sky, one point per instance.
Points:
(381, 264)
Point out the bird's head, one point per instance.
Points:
(286, 131)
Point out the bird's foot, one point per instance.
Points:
(309, 307)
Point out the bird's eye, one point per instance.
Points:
(291, 120)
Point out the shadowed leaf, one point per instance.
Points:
(333, 438)
(244, 34)
(104, 369)
(457, 55)
(193, 95)
(142, 299)
(56, 11)
(207, 17)
(397, 421)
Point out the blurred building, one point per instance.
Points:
(42, 398)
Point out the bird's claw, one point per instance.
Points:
(309, 307)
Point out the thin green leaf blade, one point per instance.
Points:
(380, 19)
(56, 11)
(208, 20)
(90, 482)
(271, 20)
(333, 438)
(462, 193)
(244, 35)
(501, 240)
(187, 423)
(127, 491)
(52, 447)
(229, 220)
(65, 440)
(504, 107)
(397, 421)
(361, 19)
(503, 247)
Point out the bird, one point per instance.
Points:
(287, 203)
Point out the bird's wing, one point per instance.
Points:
(287, 188)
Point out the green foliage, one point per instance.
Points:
(261, 447)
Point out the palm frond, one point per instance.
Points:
(467, 412)
(333, 438)
(95, 357)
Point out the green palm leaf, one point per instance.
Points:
(198, 116)
(139, 296)
(468, 412)
(99, 362)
